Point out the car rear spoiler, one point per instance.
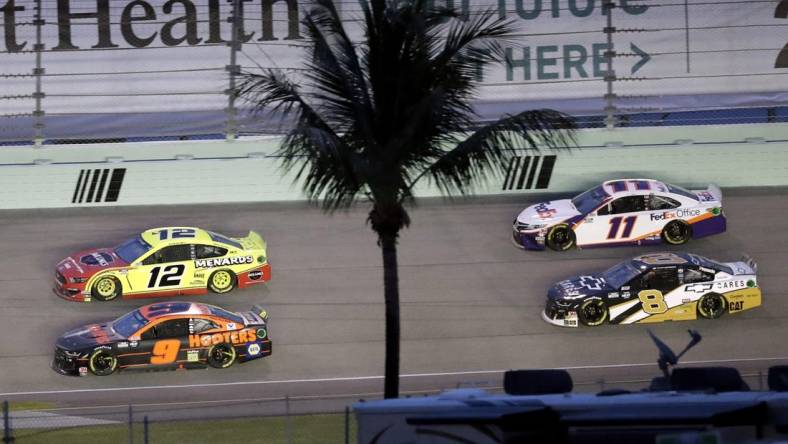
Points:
(750, 262)
(715, 191)
(253, 241)
(260, 311)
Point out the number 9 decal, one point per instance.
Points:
(653, 301)
(165, 351)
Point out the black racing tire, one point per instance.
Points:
(222, 281)
(592, 312)
(222, 355)
(106, 288)
(677, 232)
(712, 306)
(102, 362)
(560, 238)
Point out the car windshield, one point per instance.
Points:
(708, 263)
(129, 323)
(620, 274)
(225, 314)
(586, 202)
(681, 191)
(224, 240)
(133, 248)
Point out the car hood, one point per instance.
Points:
(580, 287)
(87, 336)
(89, 262)
(548, 212)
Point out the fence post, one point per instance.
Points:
(38, 72)
(7, 438)
(145, 429)
(131, 426)
(233, 69)
(347, 424)
(610, 74)
(288, 424)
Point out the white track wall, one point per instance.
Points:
(245, 170)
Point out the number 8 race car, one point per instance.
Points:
(169, 335)
(621, 212)
(164, 262)
(654, 288)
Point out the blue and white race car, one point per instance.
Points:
(621, 212)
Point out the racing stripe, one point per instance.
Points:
(623, 308)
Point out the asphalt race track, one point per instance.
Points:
(471, 302)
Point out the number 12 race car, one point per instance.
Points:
(164, 262)
(622, 212)
(169, 335)
(654, 288)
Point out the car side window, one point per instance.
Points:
(663, 203)
(692, 275)
(663, 279)
(174, 328)
(201, 325)
(208, 251)
(173, 253)
(628, 204)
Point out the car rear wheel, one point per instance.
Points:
(592, 312)
(221, 355)
(221, 281)
(560, 238)
(102, 362)
(712, 306)
(106, 288)
(677, 233)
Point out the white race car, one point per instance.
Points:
(621, 212)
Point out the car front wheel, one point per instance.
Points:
(592, 312)
(560, 238)
(106, 288)
(102, 362)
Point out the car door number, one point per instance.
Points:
(615, 224)
(170, 277)
(653, 301)
(165, 351)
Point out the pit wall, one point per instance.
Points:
(246, 170)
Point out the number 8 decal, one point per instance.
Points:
(165, 351)
(653, 301)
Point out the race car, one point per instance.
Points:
(164, 262)
(654, 288)
(166, 336)
(621, 212)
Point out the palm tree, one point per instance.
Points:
(375, 117)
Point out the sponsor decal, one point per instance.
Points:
(192, 355)
(262, 333)
(685, 300)
(613, 294)
(199, 275)
(736, 306)
(751, 283)
(667, 215)
(83, 371)
(716, 211)
(235, 337)
(253, 349)
(223, 261)
(545, 212)
(231, 326)
(570, 320)
(701, 287)
(591, 282)
(705, 196)
(133, 343)
(255, 275)
(625, 294)
(730, 285)
(123, 345)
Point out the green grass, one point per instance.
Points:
(30, 405)
(307, 429)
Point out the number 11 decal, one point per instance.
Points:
(615, 224)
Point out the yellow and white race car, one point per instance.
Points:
(164, 262)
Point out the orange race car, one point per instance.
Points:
(168, 335)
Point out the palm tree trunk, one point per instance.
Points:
(388, 244)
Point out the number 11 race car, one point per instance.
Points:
(621, 212)
(169, 335)
(654, 288)
(164, 262)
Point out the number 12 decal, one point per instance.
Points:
(615, 224)
(171, 276)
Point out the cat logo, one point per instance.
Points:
(736, 306)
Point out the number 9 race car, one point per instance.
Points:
(164, 262)
(169, 335)
(655, 288)
(621, 212)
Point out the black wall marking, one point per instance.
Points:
(92, 183)
(529, 173)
